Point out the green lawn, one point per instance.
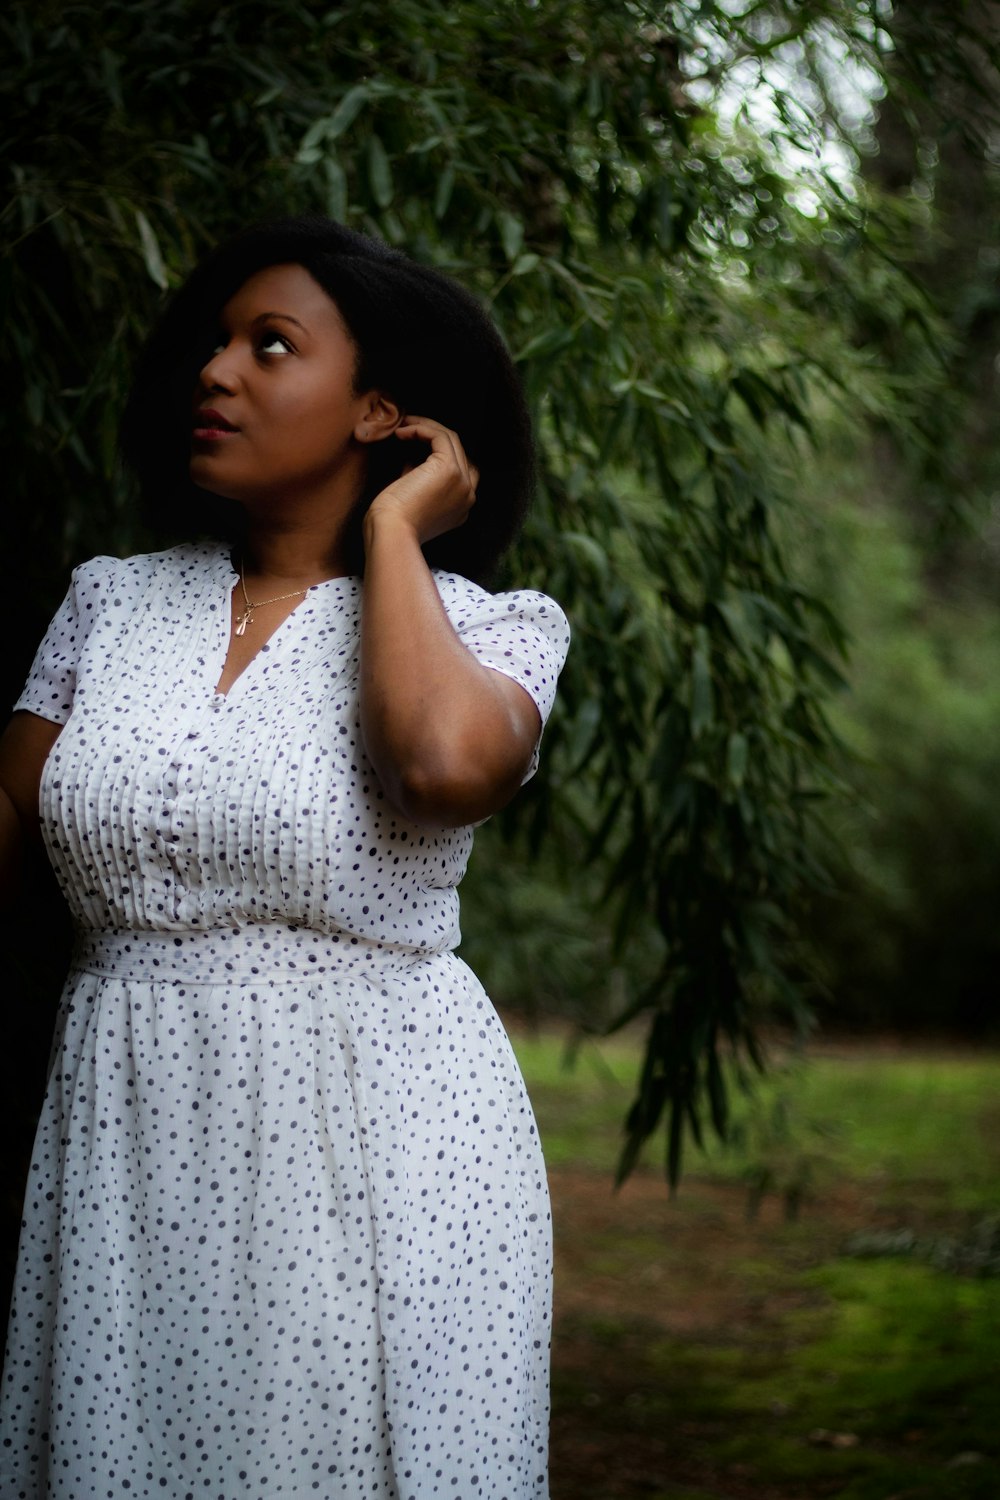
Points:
(851, 1351)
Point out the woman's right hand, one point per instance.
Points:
(435, 494)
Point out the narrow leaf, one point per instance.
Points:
(443, 192)
(702, 695)
(347, 111)
(336, 189)
(151, 252)
(736, 759)
(379, 172)
(511, 234)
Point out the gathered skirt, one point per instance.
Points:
(286, 1232)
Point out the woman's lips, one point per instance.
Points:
(210, 426)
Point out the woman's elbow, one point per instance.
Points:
(450, 790)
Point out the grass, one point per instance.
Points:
(898, 1121)
(701, 1353)
(579, 1095)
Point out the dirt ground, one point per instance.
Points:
(699, 1271)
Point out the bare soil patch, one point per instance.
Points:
(638, 1273)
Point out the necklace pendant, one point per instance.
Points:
(244, 621)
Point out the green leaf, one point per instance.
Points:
(443, 191)
(743, 620)
(379, 172)
(702, 694)
(151, 253)
(347, 112)
(550, 341)
(111, 72)
(675, 1142)
(34, 402)
(736, 759)
(336, 189)
(588, 548)
(316, 133)
(511, 234)
(717, 1092)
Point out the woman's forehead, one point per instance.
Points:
(284, 289)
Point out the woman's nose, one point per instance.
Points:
(218, 372)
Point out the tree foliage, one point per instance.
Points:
(908, 936)
(907, 939)
(939, 153)
(676, 294)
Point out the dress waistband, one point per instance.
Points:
(237, 955)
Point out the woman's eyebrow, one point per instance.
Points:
(285, 317)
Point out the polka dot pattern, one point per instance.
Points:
(286, 1229)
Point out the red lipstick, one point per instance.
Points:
(210, 425)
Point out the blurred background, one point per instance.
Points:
(746, 255)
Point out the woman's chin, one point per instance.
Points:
(206, 477)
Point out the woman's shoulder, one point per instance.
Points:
(464, 599)
(521, 632)
(525, 621)
(136, 572)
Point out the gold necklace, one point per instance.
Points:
(247, 615)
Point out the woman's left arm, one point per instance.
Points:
(450, 739)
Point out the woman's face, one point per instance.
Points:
(275, 410)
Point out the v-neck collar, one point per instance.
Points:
(226, 579)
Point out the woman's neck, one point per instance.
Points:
(286, 556)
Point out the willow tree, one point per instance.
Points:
(675, 290)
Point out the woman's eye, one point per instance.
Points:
(274, 343)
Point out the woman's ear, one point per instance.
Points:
(379, 419)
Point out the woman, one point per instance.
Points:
(286, 1228)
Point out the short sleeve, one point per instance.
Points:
(51, 685)
(523, 634)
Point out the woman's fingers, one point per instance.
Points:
(436, 492)
(444, 442)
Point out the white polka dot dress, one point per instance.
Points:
(286, 1228)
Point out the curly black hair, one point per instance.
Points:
(421, 338)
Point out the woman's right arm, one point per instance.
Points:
(24, 747)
